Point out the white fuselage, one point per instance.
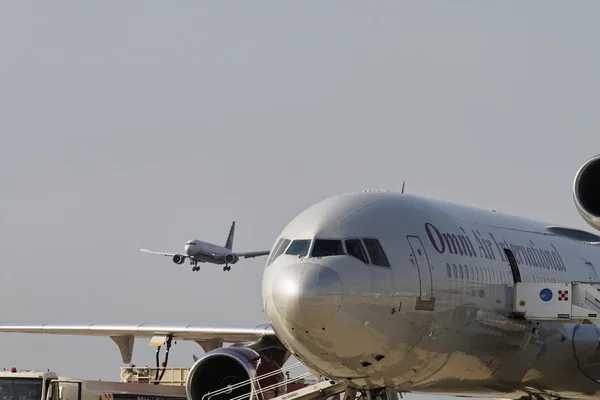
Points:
(196, 247)
(438, 318)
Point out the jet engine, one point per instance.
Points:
(586, 191)
(234, 373)
(178, 259)
(231, 259)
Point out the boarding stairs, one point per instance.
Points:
(312, 389)
(322, 389)
(575, 302)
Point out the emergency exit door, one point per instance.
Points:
(418, 257)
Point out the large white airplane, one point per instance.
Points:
(388, 292)
(198, 251)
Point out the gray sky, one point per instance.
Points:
(143, 124)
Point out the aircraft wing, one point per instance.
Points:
(160, 253)
(209, 335)
(252, 254)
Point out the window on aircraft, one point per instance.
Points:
(272, 254)
(327, 247)
(477, 273)
(471, 274)
(299, 248)
(455, 271)
(282, 246)
(460, 272)
(448, 270)
(376, 252)
(466, 270)
(355, 248)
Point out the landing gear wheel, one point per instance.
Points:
(195, 268)
(227, 268)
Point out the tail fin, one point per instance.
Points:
(229, 242)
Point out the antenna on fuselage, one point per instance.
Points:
(403, 182)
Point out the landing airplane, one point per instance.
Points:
(198, 251)
(389, 292)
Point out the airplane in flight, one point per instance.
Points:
(197, 251)
(384, 293)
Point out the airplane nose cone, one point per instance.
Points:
(307, 295)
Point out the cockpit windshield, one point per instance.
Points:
(299, 248)
(279, 248)
(20, 388)
(327, 247)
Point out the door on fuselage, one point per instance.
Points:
(512, 262)
(418, 256)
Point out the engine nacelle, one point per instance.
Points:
(586, 191)
(178, 259)
(231, 259)
(234, 372)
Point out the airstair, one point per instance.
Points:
(575, 302)
(317, 390)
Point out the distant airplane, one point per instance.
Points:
(198, 251)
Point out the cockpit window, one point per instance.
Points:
(299, 248)
(355, 249)
(282, 245)
(273, 250)
(376, 252)
(327, 247)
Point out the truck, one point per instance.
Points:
(47, 385)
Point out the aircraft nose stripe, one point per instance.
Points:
(307, 295)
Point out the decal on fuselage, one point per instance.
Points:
(461, 244)
(546, 294)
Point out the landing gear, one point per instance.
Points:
(376, 394)
(195, 266)
(227, 268)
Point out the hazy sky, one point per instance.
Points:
(144, 124)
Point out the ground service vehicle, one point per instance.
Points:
(46, 385)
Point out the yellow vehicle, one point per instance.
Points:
(46, 385)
